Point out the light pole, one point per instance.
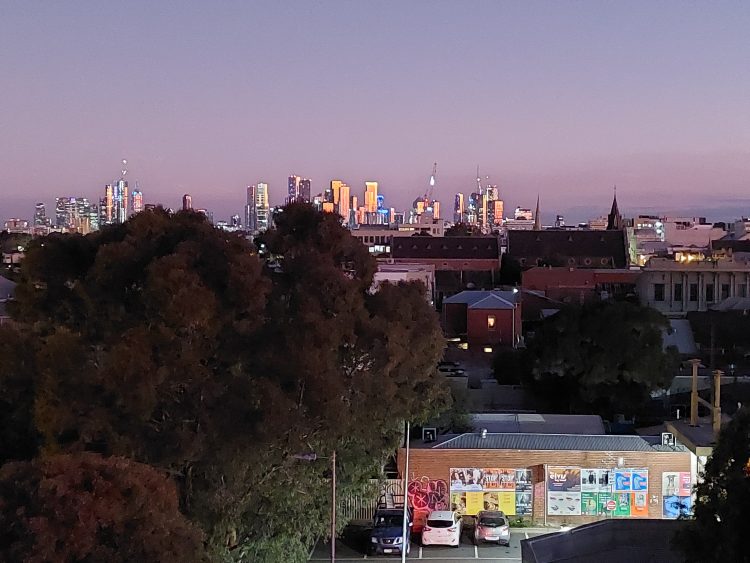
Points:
(312, 457)
(404, 545)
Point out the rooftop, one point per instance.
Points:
(559, 442)
(722, 264)
(533, 423)
(552, 244)
(494, 299)
(447, 248)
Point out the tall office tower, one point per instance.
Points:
(293, 189)
(137, 200)
(304, 189)
(318, 202)
(40, 215)
(62, 214)
(344, 201)
(116, 202)
(108, 204)
(495, 214)
(459, 210)
(187, 202)
(262, 213)
(335, 189)
(473, 208)
(76, 214)
(435, 209)
(251, 217)
(328, 193)
(371, 197)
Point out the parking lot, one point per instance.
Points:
(348, 550)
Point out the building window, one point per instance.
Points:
(491, 322)
(741, 290)
(658, 292)
(725, 291)
(693, 292)
(709, 292)
(678, 292)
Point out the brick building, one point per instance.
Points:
(573, 285)
(485, 317)
(579, 249)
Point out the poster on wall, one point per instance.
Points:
(676, 490)
(589, 503)
(622, 504)
(563, 491)
(523, 492)
(475, 489)
(639, 504)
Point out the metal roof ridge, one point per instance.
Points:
(451, 439)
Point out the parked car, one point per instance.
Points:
(387, 531)
(443, 527)
(450, 371)
(492, 526)
(447, 364)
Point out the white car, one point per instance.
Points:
(443, 527)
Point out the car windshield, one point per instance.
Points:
(440, 523)
(388, 521)
(492, 521)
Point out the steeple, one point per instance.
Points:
(614, 220)
(537, 218)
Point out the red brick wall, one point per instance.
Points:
(477, 330)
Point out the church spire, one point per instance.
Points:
(537, 217)
(614, 220)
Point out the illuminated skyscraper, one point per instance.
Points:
(251, 217)
(76, 214)
(187, 202)
(40, 216)
(262, 213)
(137, 200)
(298, 189)
(459, 211)
(371, 197)
(344, 202)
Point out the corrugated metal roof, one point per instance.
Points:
(535, 423)
(492, 302)
(597, 443)
(472, 297)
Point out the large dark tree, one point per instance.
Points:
(88, 508)
(722, 508)
(170, 342)
(601, 358)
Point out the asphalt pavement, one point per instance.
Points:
(347, 551)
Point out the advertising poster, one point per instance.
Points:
(622, 507)
(604, 500)
(499, 479)
(623, 480)
(676, 490)
(563, 491)
(491, 502)
(474, 502)
(640, 480)
(596, 480)
(507, 502)
(589, 503)
(466, 479)
(639, 504)
(523, 503)
(458, 503)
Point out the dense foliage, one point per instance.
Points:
(88, 508)
(602, 358)
(173, 343)
(722, 505)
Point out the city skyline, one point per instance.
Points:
(564, 101)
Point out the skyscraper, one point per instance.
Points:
(371, 197)
(298, 189)
(251, 217)
(76, 214)
(137, 200)
(304, 189)
(459, 211)
(40, 215)
(262, 214)
(187, 202)
(344, 202)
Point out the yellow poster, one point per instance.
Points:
(491, 502)
(474, 502)
(507, 502)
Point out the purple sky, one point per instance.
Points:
(558, 98)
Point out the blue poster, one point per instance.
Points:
(640, 480)
(623, 481)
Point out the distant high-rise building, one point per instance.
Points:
(298, 189)
(187, 202)
(137, 200)
(459, 209)
(304, 189)
(371, 197)
(523, 213)
(262, 213)
(344, 202)
(40, 216)
(235, 222)
(251, 216)
(76, 214)
(495, 213)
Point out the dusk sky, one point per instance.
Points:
(560, 98)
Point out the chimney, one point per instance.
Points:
(484, 433)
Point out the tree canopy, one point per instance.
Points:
(722, 506)
(463, 230)
(603, 358)
(173, 343)
(88, 508)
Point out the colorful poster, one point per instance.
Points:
(590, 480)
(623, 504)
(466, 479)
(499, 479)
(589, 503)
(458, 503)
(640, 480)
(474, 502)
(564, 491)
(623, 480)
(491, 502)
(523, 479)
(507, 502)
(639, 504)
(676, 490)
(607, 503)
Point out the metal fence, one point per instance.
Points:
(363, 507)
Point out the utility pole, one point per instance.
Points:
(694, 394)
(404, 545)
(333, 506)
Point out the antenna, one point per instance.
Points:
(124, 167)
(479, 182)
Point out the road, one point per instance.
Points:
(467, 551)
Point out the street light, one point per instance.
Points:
(312, 457)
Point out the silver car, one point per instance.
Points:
(492, 526)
